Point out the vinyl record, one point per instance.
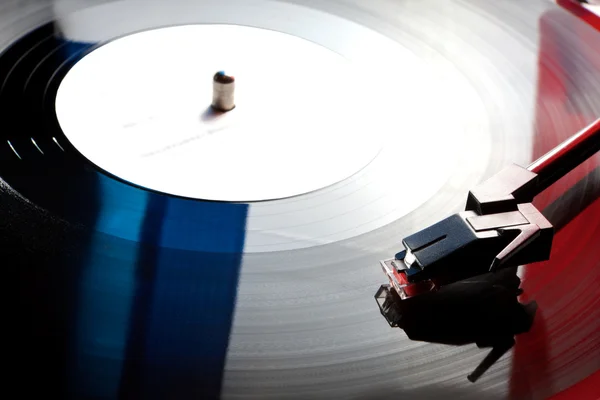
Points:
(156, 248)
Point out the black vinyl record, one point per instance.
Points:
(119, 290)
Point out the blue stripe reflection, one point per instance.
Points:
(157, 295)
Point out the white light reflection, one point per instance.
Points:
(13, 149)
(36, 146)
(58, 144)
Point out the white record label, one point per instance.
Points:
(139, 108)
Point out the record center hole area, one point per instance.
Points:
(139, 107)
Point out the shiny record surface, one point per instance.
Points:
(120, 292)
